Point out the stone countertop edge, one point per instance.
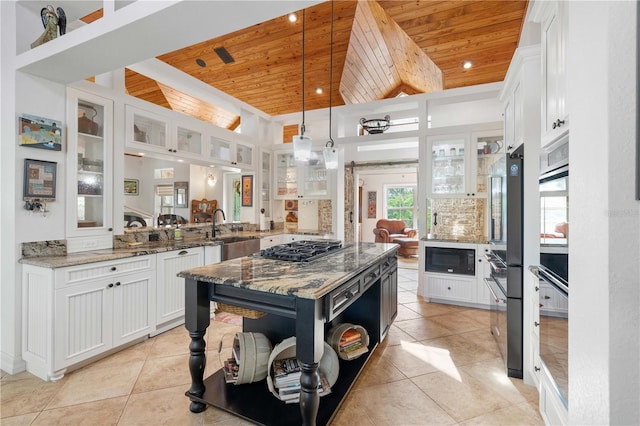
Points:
(92, 256)
(83, 257)
(445, 240)
(308, 280)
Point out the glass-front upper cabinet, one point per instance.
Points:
(189, 141)
(232, 153)
(147, 131)
(315, 177)
(266, 183)
(449, 164)
(89, 180)
(286, 176)
(489, 150)
(295, 179)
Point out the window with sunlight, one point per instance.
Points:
(399, 203)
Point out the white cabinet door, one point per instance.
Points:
(89, 169)
(555, 115)
(189, 141)
(170, 288)
(83, 321)
(133, 310)
(449, 158)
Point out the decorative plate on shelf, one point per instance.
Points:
(291, 205)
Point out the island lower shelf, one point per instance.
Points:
(253, 401)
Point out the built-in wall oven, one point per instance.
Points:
(448, 260)
(553, 271)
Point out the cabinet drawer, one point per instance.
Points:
(91, 271)
(451, 289)
(342, 297)
(370, 276)
(388, 264)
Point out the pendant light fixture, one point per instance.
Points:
(302, 143)
(329, 152)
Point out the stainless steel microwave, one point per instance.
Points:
(460, 261)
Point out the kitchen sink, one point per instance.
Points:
(234, 247)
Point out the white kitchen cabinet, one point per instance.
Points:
(89, 218)
(265, 182)
(170, 288)
(295, 179)
(462, 163)
(159, 133)
(521, 97)
(230, 153)
(457, 289)
(451, 288)
(270, 241)
(555, 112)
(148, 131)
(289, 238)
(76, 313)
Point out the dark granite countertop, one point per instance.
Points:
(309, 280)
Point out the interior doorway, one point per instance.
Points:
(384, 192)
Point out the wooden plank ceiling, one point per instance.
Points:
(380, 49)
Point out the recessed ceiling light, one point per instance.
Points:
(293, 17)
(141, 154)
(201, 62)
(467, 64)
(319, 90)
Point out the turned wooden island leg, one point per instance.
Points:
(196, 321)
(309, 349)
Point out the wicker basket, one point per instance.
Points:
(244, 312)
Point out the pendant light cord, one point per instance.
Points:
(331, 75)
(303, 21)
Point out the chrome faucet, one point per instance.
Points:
(213, 216)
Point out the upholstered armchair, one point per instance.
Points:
(387, 230)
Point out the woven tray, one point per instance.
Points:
(245, 312)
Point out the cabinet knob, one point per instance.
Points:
(448, 288)
(110, 285)
(536, 323)
(537, 288)
(113, 268)
(547, 297)
(117, 283)
(536, 369)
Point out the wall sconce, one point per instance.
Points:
(211, 180)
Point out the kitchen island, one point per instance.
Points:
(355, 284)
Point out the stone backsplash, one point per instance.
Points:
(459, 218)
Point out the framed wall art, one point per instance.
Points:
(39, 132)
(181, 194)
(39, 180)
(371, 204)
(131, 186)
(247, 191)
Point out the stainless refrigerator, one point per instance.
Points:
(506, 282)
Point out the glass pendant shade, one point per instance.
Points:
(301, 147)
(330, 157)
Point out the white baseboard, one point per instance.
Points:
(11, 364)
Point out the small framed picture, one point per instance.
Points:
(39, 132)
(39, 180)
(247, 191)
(371, 204)
(131, 186)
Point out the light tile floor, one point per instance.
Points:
(438, 365)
